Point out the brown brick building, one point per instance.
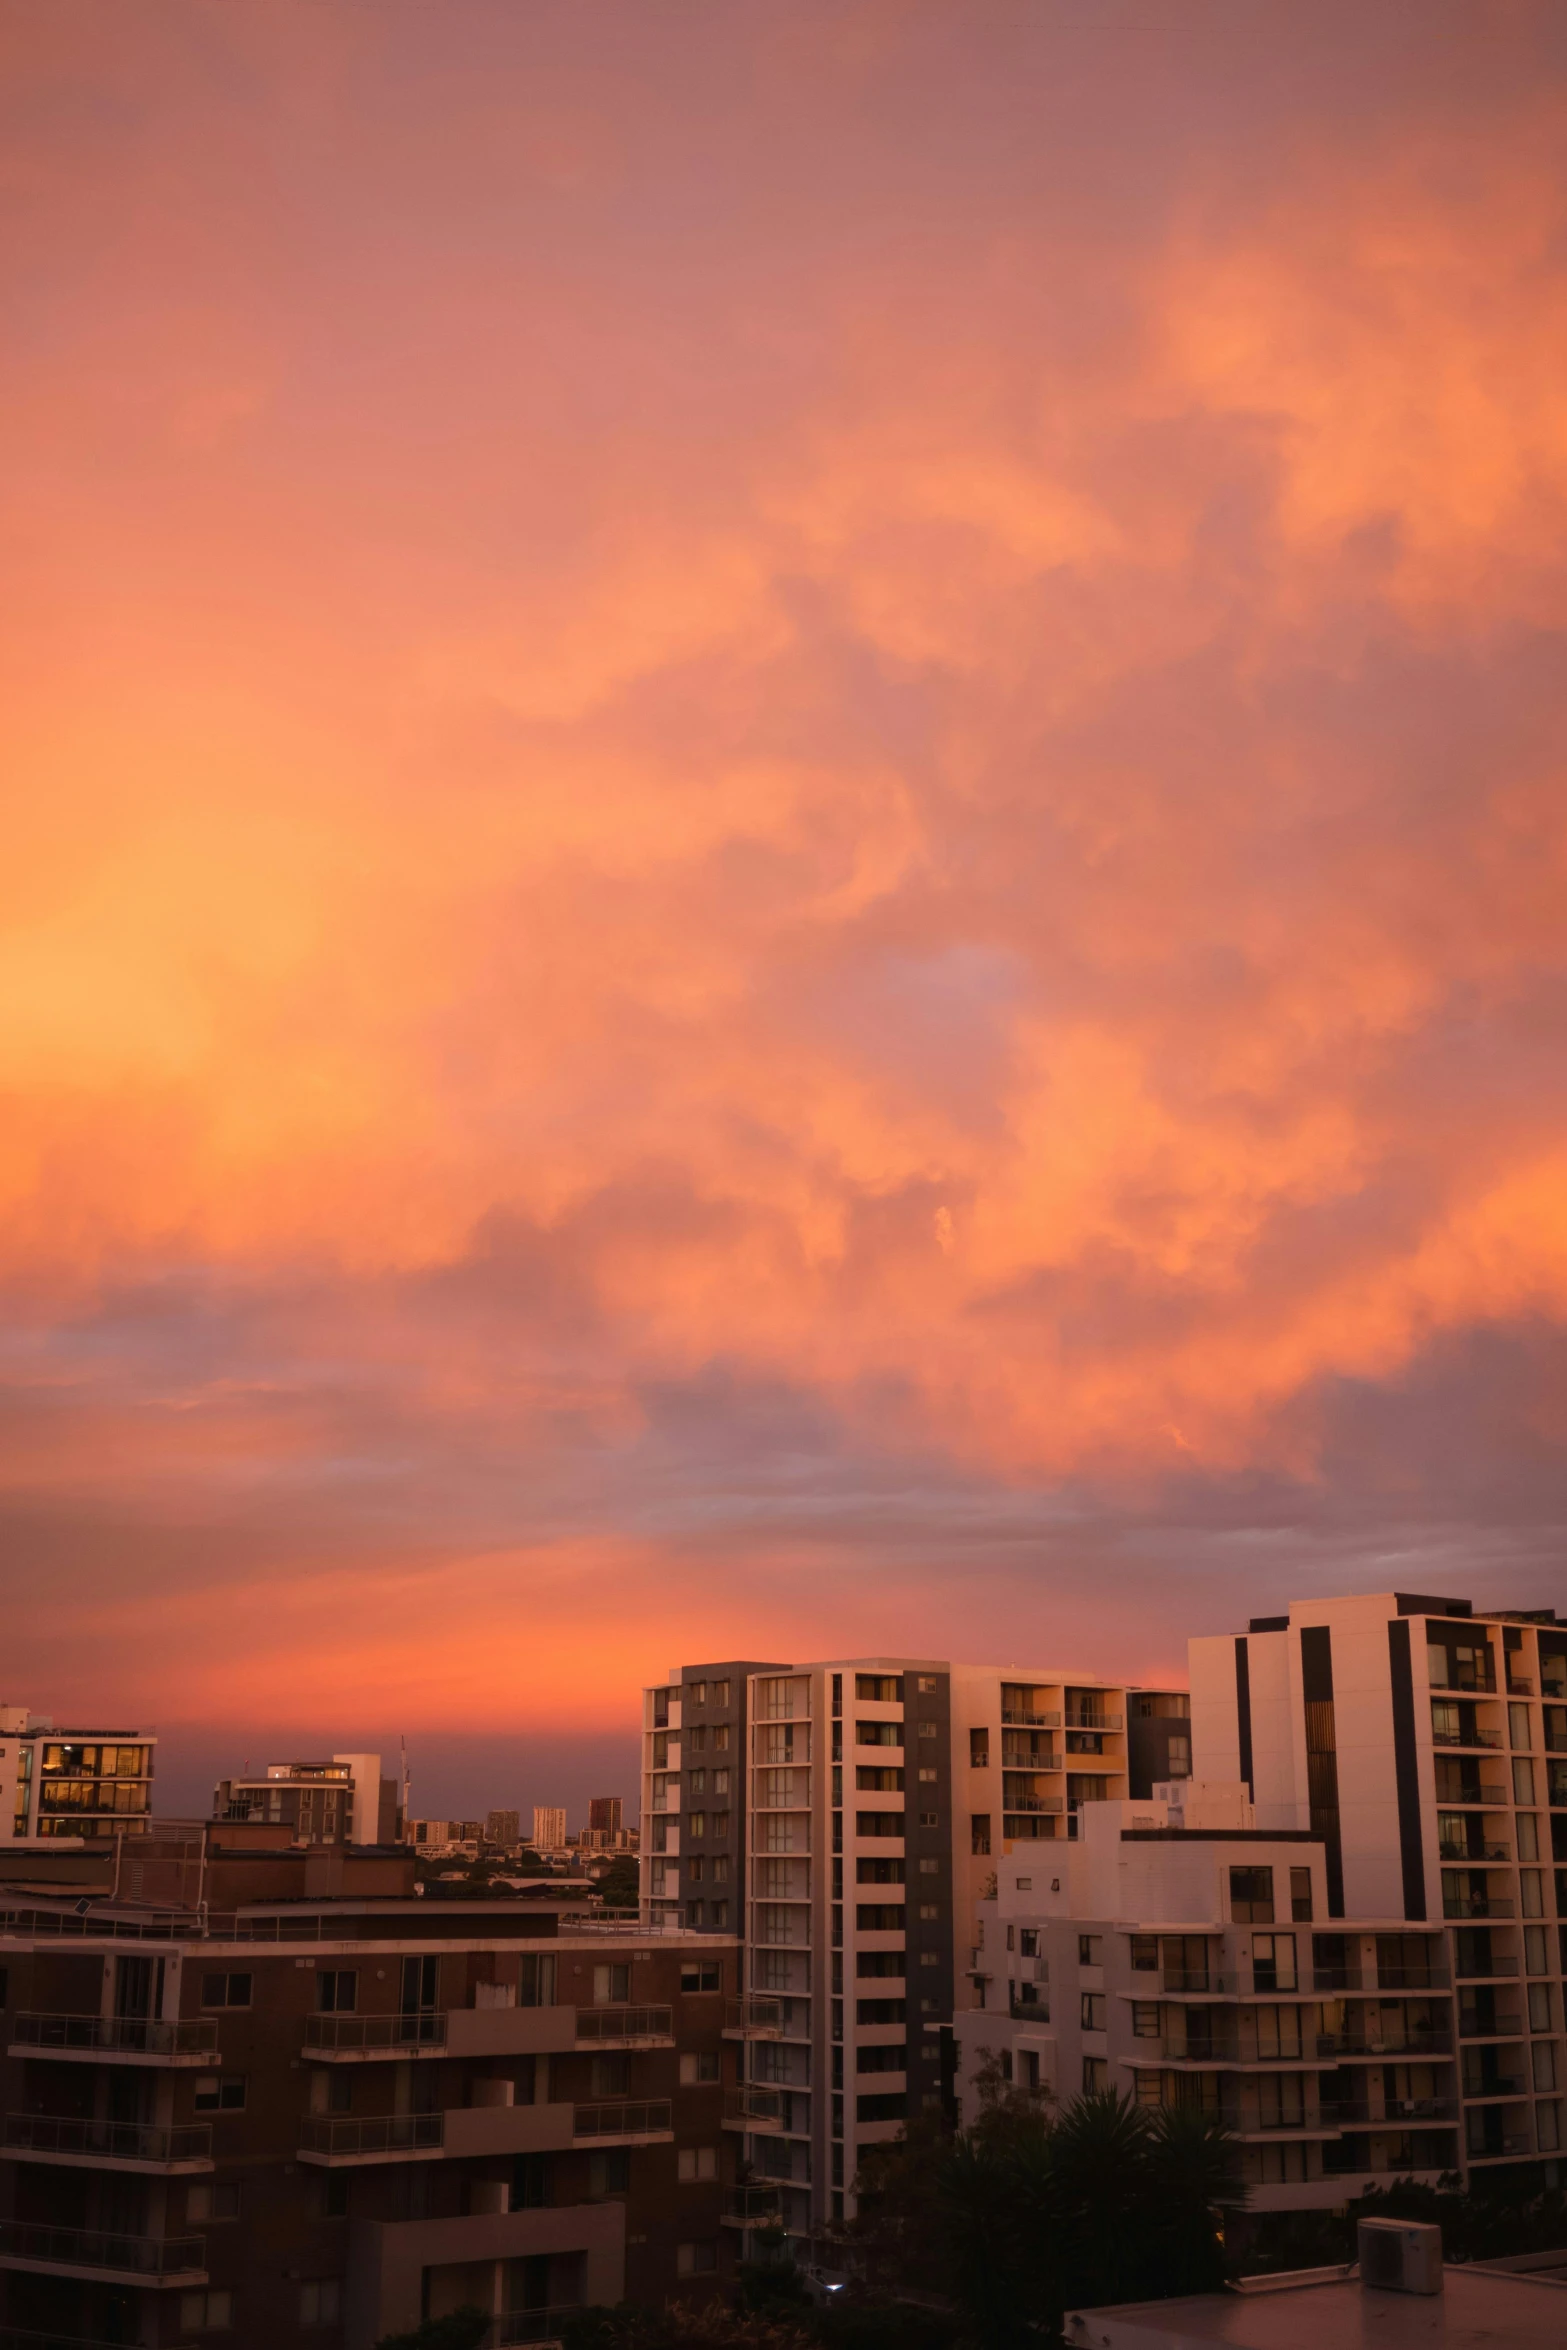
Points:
(280, 2099)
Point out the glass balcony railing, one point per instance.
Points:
(358, 2137)
(649, 2117)
(154, 2143)
(375, 2035)
(117, 2035)
(624, 2025)
(99, 2251)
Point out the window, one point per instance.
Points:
(696, 2260)
(721, 1731)
(878, 1823)
(1544, 2052)
(214, 2199)
(879, 1962)
(720, 1868)
(1539, 2007)
(531, 2182)
(694, 1742)
(1251, 1896)
(878, 1733)
(609, 2173)
(929, 1819)
(696, 1824)
(881, 2011)
(1028, 1941)
(878, 1871)
(879, 1688)
(930, 1958)
(696, 1782)
(979, 1750)
(928, 1777)
(206, 2313)
(695, 1867)
(720, 1782)
(321, 2302)
(1518, 1726)
(215, 2095)
(1145, 2019)
(930, 1729)
(706, 1975)
(1145, 1954)
(1281, 2100)
(1090, 1950)
(882, 1917)
(337, 1990)
(881, 2109)
(892, 2058)
(334, 2195)
(1273, 1962)
(720, 1823)
(929, 1910)
(225, 1990)
(697, 2065)
(930, 1868)
(979, 1832)
(610, 2074)
(1091, 2016)
(720, 1694)
(697, 2163)
(699, 1693)
(1096, 2074)
(720, 1914)
(878, 1779)
(611, 1985)
(926, 1684)
(1300, 1896)
(1179, 1763)
(536, 1980)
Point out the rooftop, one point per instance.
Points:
(1478, 2309)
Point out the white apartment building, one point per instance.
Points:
(549, 1827)
(1173, 1954)
(340, 1800)
(72, 1784)
(847, 1816)
(1424, 1743)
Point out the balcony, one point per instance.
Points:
(1013, 1718)
(1028, 2011)
(1496, 2085)
(543, 2328)
(1487, 1796)
(1471, 1971)
(106, 2259)
(340, 2038)
(625, 2123)
(1015, 1806)
(1474, 1855)
(1396, 2113)
(1334, 2045)
(1412, 1978)
(1468, 1684)
(1467, 1739)
(335, 2141)
(1504, 2143)
(1182, 1981)
(1078, 1719)
(625, 2027)
(755, 2107)
(753, 2207)
(83, 2143)
(753, 2018)
(122, 2039)
(1477, 2024)
(1477, 1905)
(1520, 1685)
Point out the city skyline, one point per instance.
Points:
(783, 834)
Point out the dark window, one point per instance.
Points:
(609, 2173)
(879, 1688)
(880, 1917)
(879, 1962)
(878, 1779)
(881, 2109)
(337, 1990)
(979, 1832)
(894, 2058)
(876, 1871)
(979, 1749)
(882, 2011)
(1145, 1954)
(225, 1990)
(530, 2182)
(334, 2195)
(878, 1733)
(1300, 1895)
(225, 2095)
(1251, 1896)
(705, 1977)
(879, 1823)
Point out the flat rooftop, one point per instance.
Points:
(1478, 2309)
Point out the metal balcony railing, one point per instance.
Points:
(753, 2207)
(368, 2035)
(757, 2016)
(1467, 1684)
(1412, 1978)
(1016, 1806)
(1491, 1738)
(1475, 2024)
(1474, 1855)
(1014, 1718)
(647, 2117)
(341, 2137)
(149, 2142)
(94, 2248)
(625, 2023)
(117, 2035)
(541, 2327)
(1519, 1685)
(1487, 1795)
(1477, 1905)
(1416, 2046)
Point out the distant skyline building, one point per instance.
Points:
(605, 1814)
(549, 1827)
(502, 1827)
(71, 1783)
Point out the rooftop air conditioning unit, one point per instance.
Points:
(1399, 2255)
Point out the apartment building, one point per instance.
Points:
(307, 2107)
(605, 1815)
(71, 1784)
(1182, 1954)
(342, 1800)
(865, 1803)
(502, 1827)
(549, 1827)
(1423, 1742)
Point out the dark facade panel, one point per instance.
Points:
(1406, 1769)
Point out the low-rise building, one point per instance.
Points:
(342, 1799)
(71, 1784)
(280, 2099)
(1177, 1953)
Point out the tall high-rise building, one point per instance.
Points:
(71, 1783)
(549, 1827)
(502, 1827)
(604, 1814)
(1424, 1743)
(849, 1816)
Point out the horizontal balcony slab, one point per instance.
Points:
(83, 2144)
(103, 2258)
(133, 2040)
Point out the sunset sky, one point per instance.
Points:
(785, 845)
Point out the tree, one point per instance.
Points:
(1033, 2211)
(709, 2325)
(619, 1884)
